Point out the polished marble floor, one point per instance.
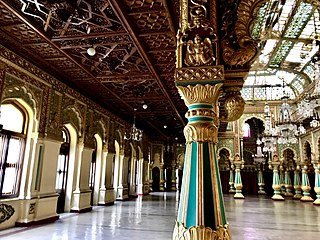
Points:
(152, 217)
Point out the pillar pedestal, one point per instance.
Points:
(231, 182)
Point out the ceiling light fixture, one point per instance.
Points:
(91, 51)
(135, 133)
(144, 106)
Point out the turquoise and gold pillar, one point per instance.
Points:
(237, 178)
(275, 163)
(305, 186)
(201, 209)
(297, 184)
(231, 181)
(287, 184)
(207, 62)
(317, 183)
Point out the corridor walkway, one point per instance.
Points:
(153, 217)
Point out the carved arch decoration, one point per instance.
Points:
(245, 51)
(72, 115)
(119, 138)
(14, 89)
(295, 155)
(227, 149)
(305, 151)
(247, 117)
(100, 129)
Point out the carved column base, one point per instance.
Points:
(262, 192)
(306, 199)
(317, 202)
(297, 196)
(200, 233)
(238, 195)
(232, 190)
(277, 196)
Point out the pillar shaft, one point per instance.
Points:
(201, 210)
(317, 184)
(261, 182)
(231, 182)
(305, 186)
(276, 181)
(297, 185)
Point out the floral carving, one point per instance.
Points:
(6, 212)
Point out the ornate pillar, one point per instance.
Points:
(201, 209)
(237, 179)
(150, 177)
(205, 63)
(281, 180)
(297, 184)
(261, 181)
(275, 163)
(287, 184)
(162, 180)
(231, 180)
(317, 183)
(173, 178)
(305, 186)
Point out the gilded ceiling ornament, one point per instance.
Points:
(199, 52)
(234, 107)
(238, 47)
(315, 3)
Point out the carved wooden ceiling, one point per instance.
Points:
(134, 41)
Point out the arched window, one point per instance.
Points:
(12, 142)
(246, 130)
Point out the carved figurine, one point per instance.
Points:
(199, 52)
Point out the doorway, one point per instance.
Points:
(62, 170)
(156, 179)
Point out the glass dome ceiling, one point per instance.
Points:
(286, 31)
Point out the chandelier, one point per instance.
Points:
(269, 136)
(135, 133)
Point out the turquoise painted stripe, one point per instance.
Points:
(192, 208)
(217, 174)
(193, 119)
(195, 106)
(183, 185)
(211, 82)
(209, 214)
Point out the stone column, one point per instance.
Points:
(237, 179)
(297, 184)
(201, 209)
(275, 163)
(287, 184)
(231, 181)
(305, 186)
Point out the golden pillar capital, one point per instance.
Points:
(203, 112)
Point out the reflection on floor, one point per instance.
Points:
(153, 217)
